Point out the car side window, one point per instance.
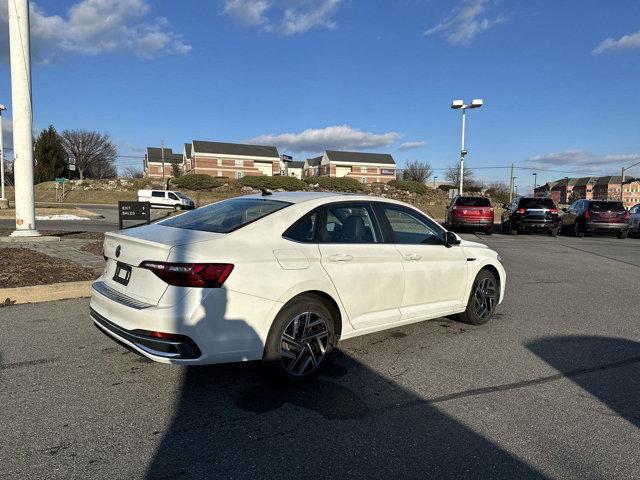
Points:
(633, 209)
(304, 230)
(172, 196)
(349, 223)
(411, 228)
(157, 194)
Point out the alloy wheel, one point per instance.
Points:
(304, 343)
(485, 297)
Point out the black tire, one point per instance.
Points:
(177, 208)
(308, 342)
(577, 231)
(488, 230)
(622, 234)
(553, 232)
(477, 314)
(512, 231)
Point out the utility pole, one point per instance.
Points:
(463, 152)
(622, 185)
(434, 181)
(20, 55)
(511, 177)
(164, 183)
(535, 181)
(4, 203)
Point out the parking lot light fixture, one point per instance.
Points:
(535, 181)
(460, 105)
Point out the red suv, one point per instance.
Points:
(470, 212)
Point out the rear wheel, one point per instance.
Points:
(623, 234)
(483, 300)
(301, 338)
(553, 232)
(488, 230)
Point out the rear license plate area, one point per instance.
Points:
(123, 274)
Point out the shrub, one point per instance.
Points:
(337, 184)
(273, 183)
(409, 186)
(198, 181)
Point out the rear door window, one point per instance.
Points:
(473, 202)
(350, 223)
(533, 203)
(606, 207)
(157, 194)
(226, 216)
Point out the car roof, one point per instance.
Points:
(302, 197)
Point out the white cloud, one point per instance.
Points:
(465, 22)
(626, 42)
(583, 161)
(339, 137)
(93, 27)
(285, 17)
(411, 145)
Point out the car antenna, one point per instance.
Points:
(265, 192)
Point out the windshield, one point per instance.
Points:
(536, 203)
(606, 206)
(225, 216)
(473, 202)
(181, 195)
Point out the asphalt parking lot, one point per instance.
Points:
(548, 389)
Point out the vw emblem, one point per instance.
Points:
(118, 248)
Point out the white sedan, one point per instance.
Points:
(282, 277)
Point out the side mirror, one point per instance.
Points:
(451, 239)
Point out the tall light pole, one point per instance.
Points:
(535, 180)
(434, 181)
(3, 201)
(622, 179)
(20, 55)
(460, 105)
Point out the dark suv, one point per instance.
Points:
(530, 213)
(470, 212)
(593, 216)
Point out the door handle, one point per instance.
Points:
(341, 257)
(412, 256)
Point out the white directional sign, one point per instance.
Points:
(72, 168)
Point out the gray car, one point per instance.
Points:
(634, 219)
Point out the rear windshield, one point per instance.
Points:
(473, 202)
(606, 206)
(226, 216)
(536, 203)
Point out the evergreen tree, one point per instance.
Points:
(50, 156)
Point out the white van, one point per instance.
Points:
(166, 199)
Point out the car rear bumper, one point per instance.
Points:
(605, 227)
(464, 222)
(206, 326)
(536, 224)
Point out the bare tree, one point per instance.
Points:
(452, 175)
(132, 172)
(417, 171)
(95, 152)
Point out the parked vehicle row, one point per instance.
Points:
(535, 214)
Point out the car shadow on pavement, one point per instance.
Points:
(605, 367)
(351, 422)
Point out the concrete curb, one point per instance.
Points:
(46, 293)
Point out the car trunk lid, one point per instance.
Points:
(125, 250)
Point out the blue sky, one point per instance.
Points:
(559, 78)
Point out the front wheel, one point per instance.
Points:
(301, 338)
(483, 300)
(553, 232)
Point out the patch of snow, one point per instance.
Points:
(60, 217)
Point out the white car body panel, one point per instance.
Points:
(377, 289)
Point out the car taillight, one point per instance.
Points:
(203, 275)
(522, 210)
(553, 211)
(587, 214)
(626, 215)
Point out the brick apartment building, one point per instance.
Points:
(231, 160)
(364, 167)
(153, 165)
(597, 188)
